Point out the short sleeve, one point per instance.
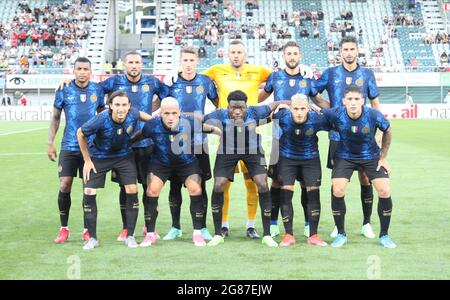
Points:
(100, 97)
(212, 91)
(313, 88)
(265, 73)
(108, 85)
(372, 92)
(261, 112)
(210, 72)
(91, 127)
(382, 123)
(322, 82)
(161, 89)
(269, 84)
(59, 99)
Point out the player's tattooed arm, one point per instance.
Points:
(385, 145)
(54, 126)
(88, 164)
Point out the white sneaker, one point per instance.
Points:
(367, 231)
(91, 244)
(130, 242)
(334, 233)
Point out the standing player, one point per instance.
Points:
(358, 150)
(111, 149)
(173, 136)
(299, 158)
(191, 90)
(80, 100)
(335, 80)
(141, 89)
(284, 84)
(247, 78)
(240, 143)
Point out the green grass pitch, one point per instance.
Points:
(419, 157)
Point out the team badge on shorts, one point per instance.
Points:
(130, 129)
(134, 88)
(93, 98)
(291, 82)
(83, 97)
(199, 90)
(365, 130)
(310, 132)
(359, 82)
(188, 89)
(59, 168)
(348, 80)
(145, 88)
(303, 83)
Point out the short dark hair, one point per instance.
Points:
(237, 42)
(291, 44)
(352, 89)
(131, 53)
(82, 60)
(348, 39)
(115, 95)
(237, 96)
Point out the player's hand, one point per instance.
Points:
(378, 139)
(51, 152)
(306, 72)
(315, 108)
(217, 131)
(63, 84)
(170, 78)
(383, 163)
(87, 168)
(281, 106)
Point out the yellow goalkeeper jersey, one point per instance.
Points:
(247, 80)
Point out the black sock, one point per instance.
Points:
(204, 204)
(304, 201)
(275, 197)
(151, 213)
(313, 210)
(384, 212)
(175, 200)
(123, 206)
(367, 202)
(132, 212)
(266, 208)
(338, 209)
(64, 203)
(216, 209)
(287, 210)
(90, 213)
(197, 211)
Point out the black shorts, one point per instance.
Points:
(141, 159)
(343, 168)
(205, 166)
(123, 167)
(225, 164)
(180, 172)
(332, 154)
(69, 162)
(309, 171)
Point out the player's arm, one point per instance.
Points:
(283, 104)
(144, 116)
(320, 102)
(54, 126)
(263, 95)
(88, 164)
(207, 128)
(375, 103)
(385, 144)
(137, 137)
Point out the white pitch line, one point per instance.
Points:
(26, 153)
(22, 131)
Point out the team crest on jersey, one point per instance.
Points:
(310, 131)
(365, 130)
(130, 129)
(188, 89)
(171, 138)
(354, 129)
(291, 82)
(145, 88)
(297, 131)
(83, 97)
(119, 131)
(60, 168)
(134, 88)
(199, 90)
(348, 80)
(359, 82)
(93, 98)
(303, 83)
